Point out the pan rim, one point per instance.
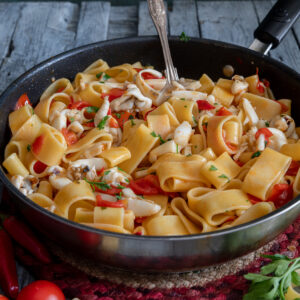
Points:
(174, 238)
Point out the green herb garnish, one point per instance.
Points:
(99, 75)
(132, 122)
(119, 196)
(127, 180)
(153, 134)
(118, 115)
(256, 154)
(185, 106)
(28, 147)
(106, 172)
(194, 119)
(183, 37)
(92, 109)
(267, 124)
(99, 184)
(162, 141)
(213, 168)
(189, 155)
(120, 169)
(119, 186)
(176, 148)
(183, 99)
(103, 207)
(106, 76)
(102, 123)
(72, 119)
(281, 271)
(266, 143)
(224, 176)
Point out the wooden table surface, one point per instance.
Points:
(31, 32)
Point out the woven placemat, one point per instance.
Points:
(160, 280)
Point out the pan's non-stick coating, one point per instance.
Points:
(191, 58)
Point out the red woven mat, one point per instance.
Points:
(75, 283)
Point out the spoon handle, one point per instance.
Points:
(159, 16)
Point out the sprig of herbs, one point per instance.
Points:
(92, 109)
(102, 123)
(162, 141)
(99, 184)
(183, 37)
(224, 176)
(281, 271)
(256, 154)
(213, 168)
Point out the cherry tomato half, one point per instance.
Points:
(3, 297)
(41, 290)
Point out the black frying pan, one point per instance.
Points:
(174, 253)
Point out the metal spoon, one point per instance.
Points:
(159, 16)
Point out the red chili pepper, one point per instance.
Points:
(204, 105)
(149, 111)
(223, 112)
(25, 237)
(266, 132)
(39, 167)
(23, 100)
(105, 203)
(293, 169)
(8, 270)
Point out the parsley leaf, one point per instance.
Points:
(28, 147)
(118, 116)
(183, 99)
(72, 119)
(183, 37)
(132, 122)
(224, 176)
(102, 123)
(281, 273)
(267, 124)
(119, 196)
(213, 168)
(119, 186)
(106, 172)
(256, 154)
(121, 169)
(106, 76)
(127, 180)
(98, 184)
(99, 75)
(92, 109)
(153, 134)
(194, 119)
(176, 148)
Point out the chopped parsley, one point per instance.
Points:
(92, 109)
(185, 106)
(127, 180)
(119, 196)
(118, 116)
(98, 184)
(183, 99)
(153, 134)
(32, 111)
(194, 119)
(189, 155)
(102, 123)
(102, 81)
(103, 207)
(162, 141)
(216, 103)
(267, 124)
(132, 122)
(121, 169)
(205, 124)
(224, 176)
(106, 76)
(176, 148)
(99, 75)
(256, 154)
(72, 119)
(183, 37)
(121, 187)
(266, 143)
(28, 147)
(106, 172)
(213, 168)
(142, 196)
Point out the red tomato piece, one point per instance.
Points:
(3, 297)
(37, 144)
(99, 172)
(89, 124)
(253, 199)
(260, 87)
(109, 112)
(113, 123)
(139, 220)
(41, 290)
(150, 76)
(39, 167)
(284, 108)
(122, 117)
(223, 112)
(78, 105)
(281, 194)
(113, 94)
(204, 105)
(238, 162)
(105, 203)
(138, 69)
(112, 191)
(265, 131)
(293, 168)
(23, 100)
(266, 82)
(148, 185)
(69, 136)
(149, 111)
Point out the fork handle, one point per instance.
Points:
(158, 14)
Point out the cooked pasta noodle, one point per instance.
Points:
(103, 152)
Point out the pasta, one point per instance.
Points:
(103, 152)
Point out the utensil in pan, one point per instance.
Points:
(149, 253)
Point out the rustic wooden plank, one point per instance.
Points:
(93, 22)
(228, 21)
(43, 30)
(123, 21)
(183, 18)
(288, 51)
(146, 26)
(9, 15)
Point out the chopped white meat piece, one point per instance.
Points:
(277, 139)
(59, 182)
(260, 142)
(183, 133)
(250, 112)
(76, 127)
(27, 185)
(168, 147)
(96, 149)
(142, 207)
(114, 177)
(239, 85)
(191, 95)
(98, 163)
(102, 112)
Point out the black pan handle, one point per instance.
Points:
(278, 22)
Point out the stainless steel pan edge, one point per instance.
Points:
(174, 253)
